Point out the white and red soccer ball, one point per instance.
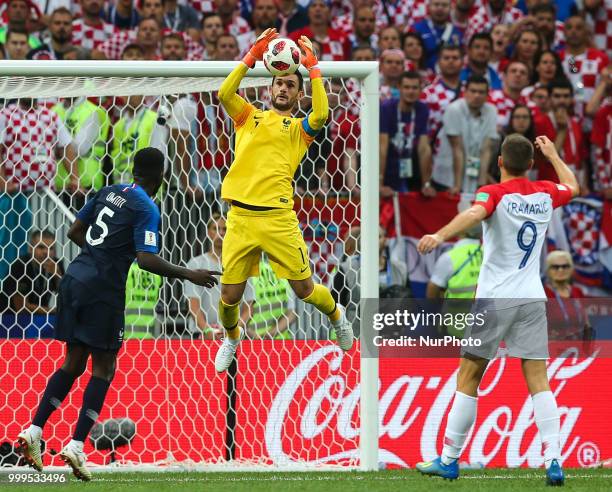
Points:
(282, 57)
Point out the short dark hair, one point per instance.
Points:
(12, 31)
(517, 154)
(476, 79)
(300, 80)
(208, 15)
(481, 35)
(545, 7)
(132, 46)
(450, 47)
(410, 74)
(174, 35)
(61, 10)
(149, 163)
(560, 83)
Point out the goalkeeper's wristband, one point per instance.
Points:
(314, 72)
(249, 60)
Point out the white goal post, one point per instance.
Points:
(111, 78)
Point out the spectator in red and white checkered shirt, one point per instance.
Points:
(31, 136)
(443, 90)
(492, 13)
(91, 30)
(516, 78)
(401, 13)
(264, 16)
(212, 28)
(232, 22)
(332, 41)
(599, 17)
(582, 64)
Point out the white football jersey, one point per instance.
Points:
(519, 212)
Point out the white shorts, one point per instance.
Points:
(523, 328)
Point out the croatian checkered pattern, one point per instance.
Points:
(332, 47)
(583, 233)
(344, 23)
(427, 75)
(402, 13)
(91, 37)
(504, 104)
(29, 139)
(484, 20)
(584, 69)
(238, 26)
(203, 6)
(437, 97)
(601, 24)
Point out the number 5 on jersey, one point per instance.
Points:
(102, 225)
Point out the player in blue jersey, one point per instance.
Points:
(119, 224)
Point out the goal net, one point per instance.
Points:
(292, 398)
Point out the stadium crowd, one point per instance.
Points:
(455, 79)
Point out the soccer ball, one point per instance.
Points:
(282, 57)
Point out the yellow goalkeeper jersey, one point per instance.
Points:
(268, 149)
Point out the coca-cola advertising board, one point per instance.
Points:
(299, 401)
(313, 408)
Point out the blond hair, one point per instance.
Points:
(558, 255)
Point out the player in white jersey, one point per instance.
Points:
(515, 214)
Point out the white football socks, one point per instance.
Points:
(461, 417)
(35, 431)
(548, 421)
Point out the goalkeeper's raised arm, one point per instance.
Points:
(232, 102)
(320, 104)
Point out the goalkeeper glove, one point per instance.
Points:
(309, 59)
(259, 47)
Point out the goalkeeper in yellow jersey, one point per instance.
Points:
(259, 186)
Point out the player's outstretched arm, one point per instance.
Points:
(564, 173)
(156, 264)
(320, 104)
(462, 222)
(232, 102)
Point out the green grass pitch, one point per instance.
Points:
(497, 480)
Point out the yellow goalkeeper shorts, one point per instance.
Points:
(275, 232)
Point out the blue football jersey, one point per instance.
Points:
(122, 220)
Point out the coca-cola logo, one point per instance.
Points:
(331, 412)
